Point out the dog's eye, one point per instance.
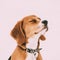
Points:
(33, 21)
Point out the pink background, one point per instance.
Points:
(13, 10)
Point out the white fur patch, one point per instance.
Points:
(31, 56)
(32, 43)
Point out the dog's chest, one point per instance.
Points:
(32, 44)
(31, 56)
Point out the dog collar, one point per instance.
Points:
(33, 50)
(30, 50)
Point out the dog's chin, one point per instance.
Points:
(42, 37)
(45, 29)
(42, 32)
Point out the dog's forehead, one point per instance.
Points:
(28, 18)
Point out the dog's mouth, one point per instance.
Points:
(45, 28)
(42, 32)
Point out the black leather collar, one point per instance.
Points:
(33, 50)
(30, 50)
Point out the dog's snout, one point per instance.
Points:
(45, 22)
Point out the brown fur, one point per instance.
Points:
(21, 32)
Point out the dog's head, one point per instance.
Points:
(28, 27)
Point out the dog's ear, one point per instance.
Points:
(42, 37)
(18, 33)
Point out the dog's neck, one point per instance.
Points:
(33, 42)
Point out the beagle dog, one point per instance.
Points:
(28, 32)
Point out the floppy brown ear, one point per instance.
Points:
(42, 37)
(18, 34)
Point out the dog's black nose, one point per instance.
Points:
(45, 22)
